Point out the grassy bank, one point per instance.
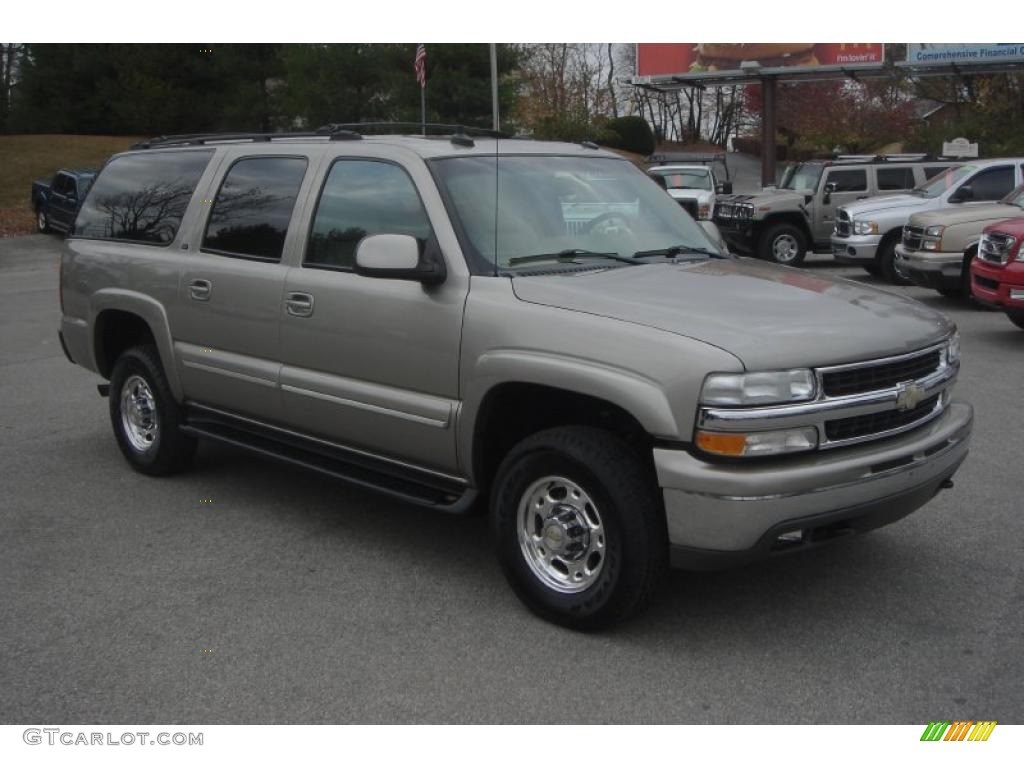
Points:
(24, 158)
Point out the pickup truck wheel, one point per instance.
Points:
(873, 269)
(784, 244)
(145, 416)
(1016, 317)
(891, 270)
(42, 221)
(579, 531)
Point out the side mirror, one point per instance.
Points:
(724, 188)
(397, 257)
(830, 187)
(962, 195)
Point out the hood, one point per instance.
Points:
(966, 213)
(885, 203)
(772, 198)
(700, 195)
(768, 316)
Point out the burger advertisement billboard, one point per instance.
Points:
(695, 61)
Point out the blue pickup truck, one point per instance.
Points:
(56, 202)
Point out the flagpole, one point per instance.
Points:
(494, 86)
(423, 107)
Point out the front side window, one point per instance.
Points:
(992, 184)
(64, 185)
(360, 198)
(252, 209)
(890, 179)
(849, 180)
(142, 197)
(527, 212)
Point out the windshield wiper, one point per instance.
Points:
(568, 255)
(678, 250)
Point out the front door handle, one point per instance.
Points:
(199, 290)
(299, 304)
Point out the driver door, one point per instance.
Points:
(851, 184)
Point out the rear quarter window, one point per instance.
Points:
(893, 179)
(141, 198)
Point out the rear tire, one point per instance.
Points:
(145, 416)
(580, 532)
(888, 266)
(42, 221)
(784, 244)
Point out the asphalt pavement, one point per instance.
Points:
(248, 591)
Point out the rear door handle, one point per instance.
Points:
(199, 290)
(299, 304)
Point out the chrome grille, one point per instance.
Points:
(912, 237)
(882, 421)
(843, 223)
(850, 381)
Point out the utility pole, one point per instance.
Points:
(767, 131)
(494, 86)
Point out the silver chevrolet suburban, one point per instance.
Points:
(535, 329)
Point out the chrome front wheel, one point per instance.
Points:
(561, 535)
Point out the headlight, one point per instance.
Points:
(865, 227)
(953, 349)
(758, 443)
(935, 231)
(760, 388)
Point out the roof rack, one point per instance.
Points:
(199, 139)
(428, 129)
(906, 157)
(669, 158)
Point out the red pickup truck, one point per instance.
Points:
(997, 273)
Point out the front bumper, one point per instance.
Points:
(722, 514)
(855, 249)
(998, 285)
(940, 270)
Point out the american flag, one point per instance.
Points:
(420, 65)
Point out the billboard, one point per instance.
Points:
(934, 54)
(695, 61)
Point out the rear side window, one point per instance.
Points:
(253, 207)
(360, 198)
(141, 198)
(992, 184)
(895, 178)
(935, 170)
(849, 181)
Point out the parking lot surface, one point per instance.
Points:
(247, 591)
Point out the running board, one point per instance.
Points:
(404, 483)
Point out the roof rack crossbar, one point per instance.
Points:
(433, 129)
(199, 139)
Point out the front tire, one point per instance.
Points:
(784, 244)
(891, 271)
(579, 531)
(873, 269)
(145, 416)
(1016, 317)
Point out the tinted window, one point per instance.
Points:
(63, 185)
(935, 170)
(141, 197)
(360, 198)
(849, 181)
(253, 207)
(895, 178)
(993, 184)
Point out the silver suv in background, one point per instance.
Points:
(782, 224)
(579, 361)
(867, 232)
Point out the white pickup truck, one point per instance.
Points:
(867, 232)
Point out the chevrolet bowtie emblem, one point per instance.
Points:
(909, 395)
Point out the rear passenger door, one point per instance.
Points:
(850, 184)
(372, 363)
(895, 179)
(230, 287)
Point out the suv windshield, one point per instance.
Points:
(556, 207)
(690, 178)
(803, 177)
(944, 181)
